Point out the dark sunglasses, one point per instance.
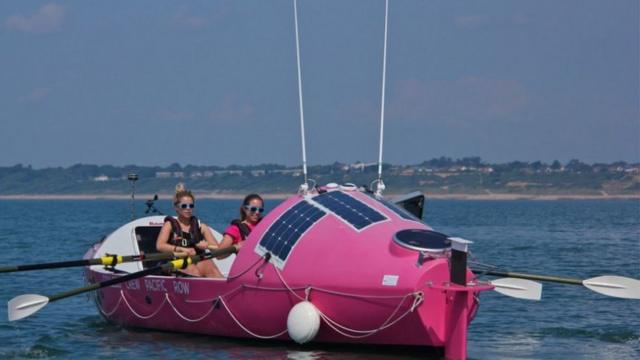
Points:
(186, 206)
(254, 209)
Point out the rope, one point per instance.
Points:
(418, 298)
(287, 285)
(107, 314)
(245, 270)
(184, 317)
(217, 297)
(337, 327)
(143, 317)
(361, 296)
(247, 330)
(274, 289)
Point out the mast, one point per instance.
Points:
(380, 184)
(304, 187)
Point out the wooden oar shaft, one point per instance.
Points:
(172, 265)
(105, 260)
(556, 279)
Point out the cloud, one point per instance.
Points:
(35, 95)
(184, 18)
(48, 18)
(232, 110)
(215, 12)
(463, 100)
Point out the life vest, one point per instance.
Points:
(189, 239)
(244, 229)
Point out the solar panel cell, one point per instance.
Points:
(285, 232)
(350, 209)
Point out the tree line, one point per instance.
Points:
(437, 175)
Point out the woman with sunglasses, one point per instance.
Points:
(187, 234)
(250, 215)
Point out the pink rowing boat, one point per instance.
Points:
(340, 266)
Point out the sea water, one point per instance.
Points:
(577, 238)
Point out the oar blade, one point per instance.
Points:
(518, 288)
(24, 305)
(615, 286)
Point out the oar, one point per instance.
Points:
(108, 260)
(609, 285)
(518, 288)
(24, 305)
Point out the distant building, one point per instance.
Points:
(257, 172)
(196, 174)
(361, 166)
(291, 172)
(163, 174)
(101, 178)
(228, 172)
(178, 174)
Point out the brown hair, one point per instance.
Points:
(180, 193)
(246, 201)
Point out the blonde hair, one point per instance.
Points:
(181, 192)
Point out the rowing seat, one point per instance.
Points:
(146, 237)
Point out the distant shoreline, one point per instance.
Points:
(237, 196)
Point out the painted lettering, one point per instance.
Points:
(154, 285)
(181, 287)
(133, 285)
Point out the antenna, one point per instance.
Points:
(304, 187)
(133, 177)
(380, 185)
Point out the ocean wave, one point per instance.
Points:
(617, 335)
(34, 352)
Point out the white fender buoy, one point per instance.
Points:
(303, 322)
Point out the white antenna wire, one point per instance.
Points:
(305, 186)
(380, 186)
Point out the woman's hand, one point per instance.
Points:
(189, 251)
(202, 245)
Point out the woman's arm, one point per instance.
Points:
(227, 240)
(210, 240)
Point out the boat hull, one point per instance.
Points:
(366, 289)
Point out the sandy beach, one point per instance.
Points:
(279, 196)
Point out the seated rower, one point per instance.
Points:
(188, 235)
(250, 215)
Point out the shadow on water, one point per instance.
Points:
(157, 343)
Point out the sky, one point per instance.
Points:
(215, 82)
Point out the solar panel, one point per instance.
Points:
(285, 232)
(350, 209)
